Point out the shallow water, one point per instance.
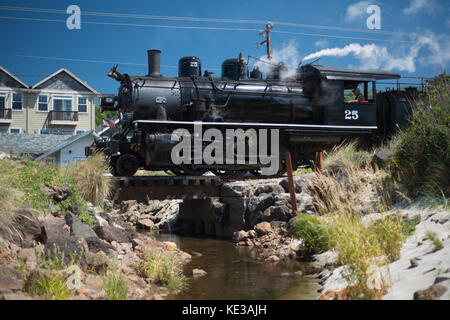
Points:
(234, 273)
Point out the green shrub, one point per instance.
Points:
(422, 155)
(114, 285)
(49, 286)
(314, 234)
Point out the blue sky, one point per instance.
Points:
(413, 40)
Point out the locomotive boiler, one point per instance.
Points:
(307, 108)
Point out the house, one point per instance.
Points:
(56, 149)
(58, 104)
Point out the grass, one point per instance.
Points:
(114, 285)
(89, 177)
(434, 238)
(162, 270)
(49, 286)
(314, 233)
(346, 156)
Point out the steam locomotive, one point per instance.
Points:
(308, 109)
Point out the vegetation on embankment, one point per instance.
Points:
(354, 196)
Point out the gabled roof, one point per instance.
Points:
(70, 74)
(30, 143)
(14, 77)
(65, 144)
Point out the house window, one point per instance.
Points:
(14, 130)
(80, 131)
(3, 130)
(44, 131)
(43, 102)
(17, 101)
(62, 132)
(2, 101)
(82, 104)
(62, 103)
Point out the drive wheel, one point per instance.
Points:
(127, 165)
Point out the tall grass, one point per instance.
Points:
(162, 269)
(89, 177)
(422, 157)
(114, 284)
(346, 156)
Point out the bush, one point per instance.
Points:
(314, 234)
(89, 177)
(421, 157)
(49, 286)
(114, 285)
(162, 270)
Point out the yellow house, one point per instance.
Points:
(58, 104)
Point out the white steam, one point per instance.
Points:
(288, 55)
(372, 56)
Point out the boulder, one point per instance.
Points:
(431, 293)
(273, 258)
(10, 279)
(78, 228)
(198, 273)
(53, 227)
(126, 206)
(110, 233)
(25, 228)
(270, 188)
(62, 192)
(95, 245)
(263, 228)
(145, 223)
(70, 246)
(262, 202)
(281, 213)
(239, 236)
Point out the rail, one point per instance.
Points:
(63, 115)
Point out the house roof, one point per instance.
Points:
(14, 77)
(30, 143)
(70, 74)
(43, 145)
(65, 144)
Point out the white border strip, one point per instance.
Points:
(254, 124)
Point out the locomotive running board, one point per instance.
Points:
(255, 125)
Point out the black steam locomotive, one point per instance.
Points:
(308, 108)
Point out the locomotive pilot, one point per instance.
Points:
(358, 96)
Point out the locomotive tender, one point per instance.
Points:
(308, 109)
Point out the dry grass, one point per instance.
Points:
(89, 176)
(346, 156)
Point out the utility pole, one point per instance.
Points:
(267, 41)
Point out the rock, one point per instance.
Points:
(126, 206)
(298, 273)
(281, 213)
(53, 227)
(110, 233)
(10, 279)
(26, 228)
(28, 255)
(78, 228)
(102, 222)
(252, 234)
(198, 273)
(62, 192)
(195, 254)
(334, 295)
(15, 296)
(414, 263)
(95, 245)
(285, 274)
(97, 262)
(296, 244)
(273, 258)
(262, 202)
(69, 246)
(156, 297)
(170, 245)
(263, 228)
(145, 224)
(240, 236)
(431, 293)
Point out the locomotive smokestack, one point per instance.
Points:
(154, 61)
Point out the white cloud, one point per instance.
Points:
(323, 43)
(416, 6)
(372, 56)
(357, 10)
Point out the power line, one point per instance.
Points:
(196, 19)
(205, 28)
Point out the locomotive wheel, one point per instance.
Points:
(127, 165)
